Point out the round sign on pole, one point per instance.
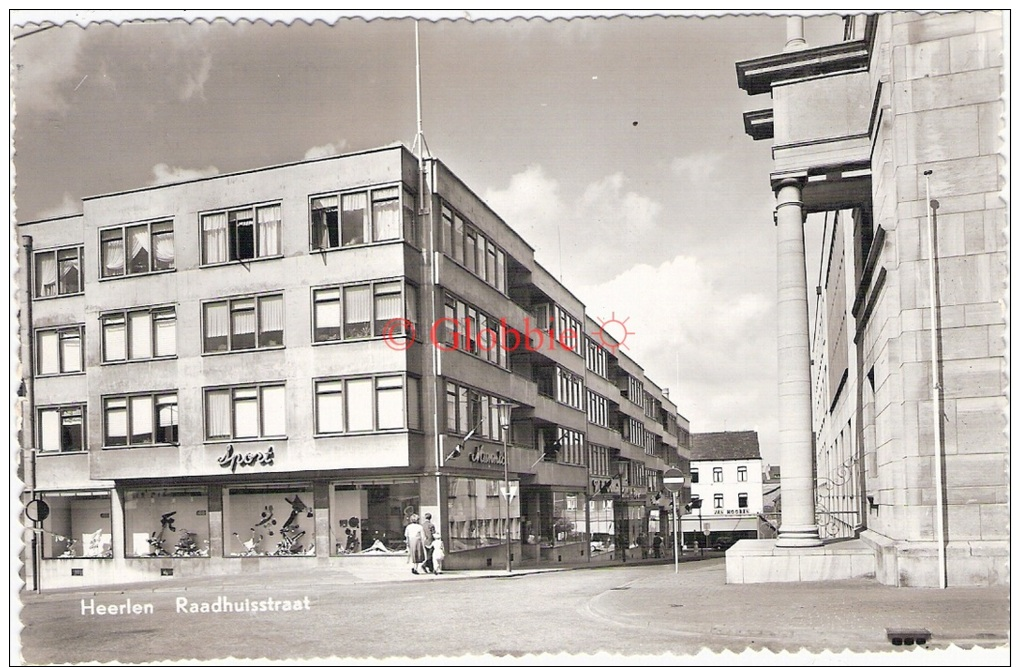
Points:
(37, 510)
(673, 480)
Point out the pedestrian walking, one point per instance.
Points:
(428, 535)
(438, 554)
(657, 546)
(414, 536)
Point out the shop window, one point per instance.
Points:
(240, 234)
(476, 519)
(246, 323)
(269, 521)
(351, 405)
(58, 272)
(139, 334)
(717, 501)
(62, 429)
(717, 475)
(139, 248)
(78, 525)
(140, 419)
(166, 523)
(370, 518)
(741, 473)
(742, 500)
(602, 525)
(60, 351)
(241, 413)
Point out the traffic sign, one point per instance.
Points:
(509, 494)
(673, 480)
(37, 510)
(707, 529)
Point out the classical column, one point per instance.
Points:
(797, 485)
(795, 34)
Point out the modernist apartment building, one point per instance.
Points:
(892, 421)
(276, 368)
(726, 477)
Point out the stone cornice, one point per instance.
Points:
(759, 124)
(759, 75)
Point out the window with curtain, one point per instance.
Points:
(241, 234)
(386, 214)
(359, 405)
(357, 311)
(247, 412)
(150, 333)
(389, 395)
(244, 323)
(57, 272)
(325, 223)
(111, 253)
(363, 404)
(447, 231)
(326, 316)
(329, 406)
(410, 220)
(59, 351)
(136, 249)
(353, 218)
(62, 429)
(387, 306)
(413, 403)
(140, 419)
(741, 473)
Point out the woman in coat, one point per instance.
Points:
(415, 537)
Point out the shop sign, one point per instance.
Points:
(479, 455)
(738, 511)
(231, 459)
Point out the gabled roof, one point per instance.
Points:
(724, 446)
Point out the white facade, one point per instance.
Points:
(727, 488)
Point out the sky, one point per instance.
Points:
(613, 145)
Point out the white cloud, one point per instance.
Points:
(697, 167)
(164, 173)
(45, 68)
(194, 83)
(325, 150)
(689, 326)
(67, 206)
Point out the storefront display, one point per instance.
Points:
(602, 525)
(269, 521)
(369, 518)
(167, 523)
(478, 515)
(568, 518)
(78, 525)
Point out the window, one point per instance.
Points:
(79, 525)
(60, 350)
(62, 429)
(139, 334)
(472, 411)
(569, 389)
(571, 446)
(742, 500)
(717, 474)
(351, 405)
(467, 246)
(243, 323)
(595, 357)
(138, 248)
(239, 413)
(741, 473)
(598, 409)
(599, 458)
(717, 501)
(694, 475)
(58, 272)
(357, 218)
(568, 331)
(362, 311)
(635, 391)
(244, 233)
(140, 419)
(168, 522)
(271, 520)
(477, 333)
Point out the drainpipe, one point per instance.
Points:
(936, 388)
(28, 452)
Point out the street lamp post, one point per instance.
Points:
(505, 409)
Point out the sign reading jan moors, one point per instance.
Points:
(232, 459)
(479, 455)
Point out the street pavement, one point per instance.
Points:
(630, 610)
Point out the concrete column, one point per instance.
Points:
(795, 34)
(797, 521)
